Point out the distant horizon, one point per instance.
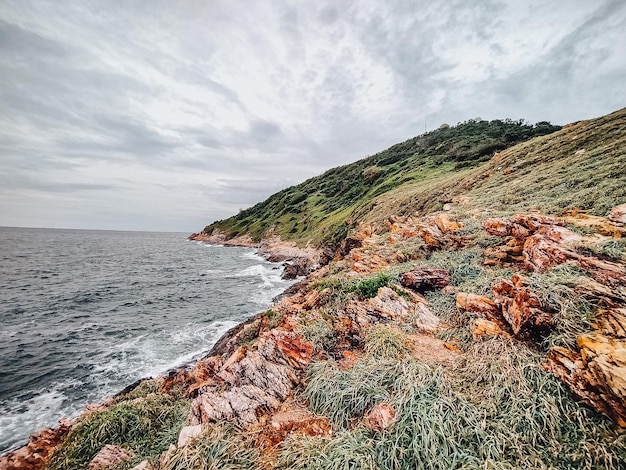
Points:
(94, 229)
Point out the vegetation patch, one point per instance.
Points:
(496, 408)
(146, 426)
(219, 447)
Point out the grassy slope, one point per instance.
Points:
(317, 209)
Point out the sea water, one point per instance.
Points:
(85, 313)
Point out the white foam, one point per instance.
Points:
(43, 409)
(253, 255)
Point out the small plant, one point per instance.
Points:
(368, 287)
(273, 318)
(249, 333)
(319, 333)
(384, 342)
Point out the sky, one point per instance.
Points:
(166, 115)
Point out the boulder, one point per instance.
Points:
(110, 455)
(423, 279)
(520, 306)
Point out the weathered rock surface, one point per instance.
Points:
(520, 306)
(380, 417)
(546, 243)
(423, 279)
(255, 380)
(109, 455)
(40, 445)
(618, 214)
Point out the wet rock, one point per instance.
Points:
(423, 279)
(380, 417)
(297, 268)
(110, 455)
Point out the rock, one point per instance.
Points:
(618, 214)
(188, 433)
(484, 327)
(297, 268)
(388, 304)
(520, 306)
(477, 304)
(545, 244)
(255, 380)
(612, 322)
(446, 225)
(380, 417)
(40, 445)
(110, 455)
(597, 375)
(423, 279)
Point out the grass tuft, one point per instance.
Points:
(219, 447)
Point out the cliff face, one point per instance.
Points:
(476, 320)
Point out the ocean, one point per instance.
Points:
(85, 313)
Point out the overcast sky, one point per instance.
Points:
(167, 115)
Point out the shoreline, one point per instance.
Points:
(272, 250)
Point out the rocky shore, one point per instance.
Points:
(436, 292)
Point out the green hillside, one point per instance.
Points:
(317, 209)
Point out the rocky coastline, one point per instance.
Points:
(384, 291)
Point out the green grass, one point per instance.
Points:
(319, 333)
(323, 208)
(146, 426)
(496, 408)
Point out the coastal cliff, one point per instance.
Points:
(466, 316)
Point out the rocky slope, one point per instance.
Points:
(485, 330)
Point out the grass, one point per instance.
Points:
(219, 447)
(319, 333)
(573, 313)
(146, 426)
(496, 408)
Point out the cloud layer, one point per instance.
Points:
(168, 115)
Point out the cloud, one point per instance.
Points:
(183, 112)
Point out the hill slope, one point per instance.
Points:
(317, 209)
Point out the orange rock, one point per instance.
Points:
(520, 306)
(349, 359)
(446, 225)
(484, 327)
(476, 303)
